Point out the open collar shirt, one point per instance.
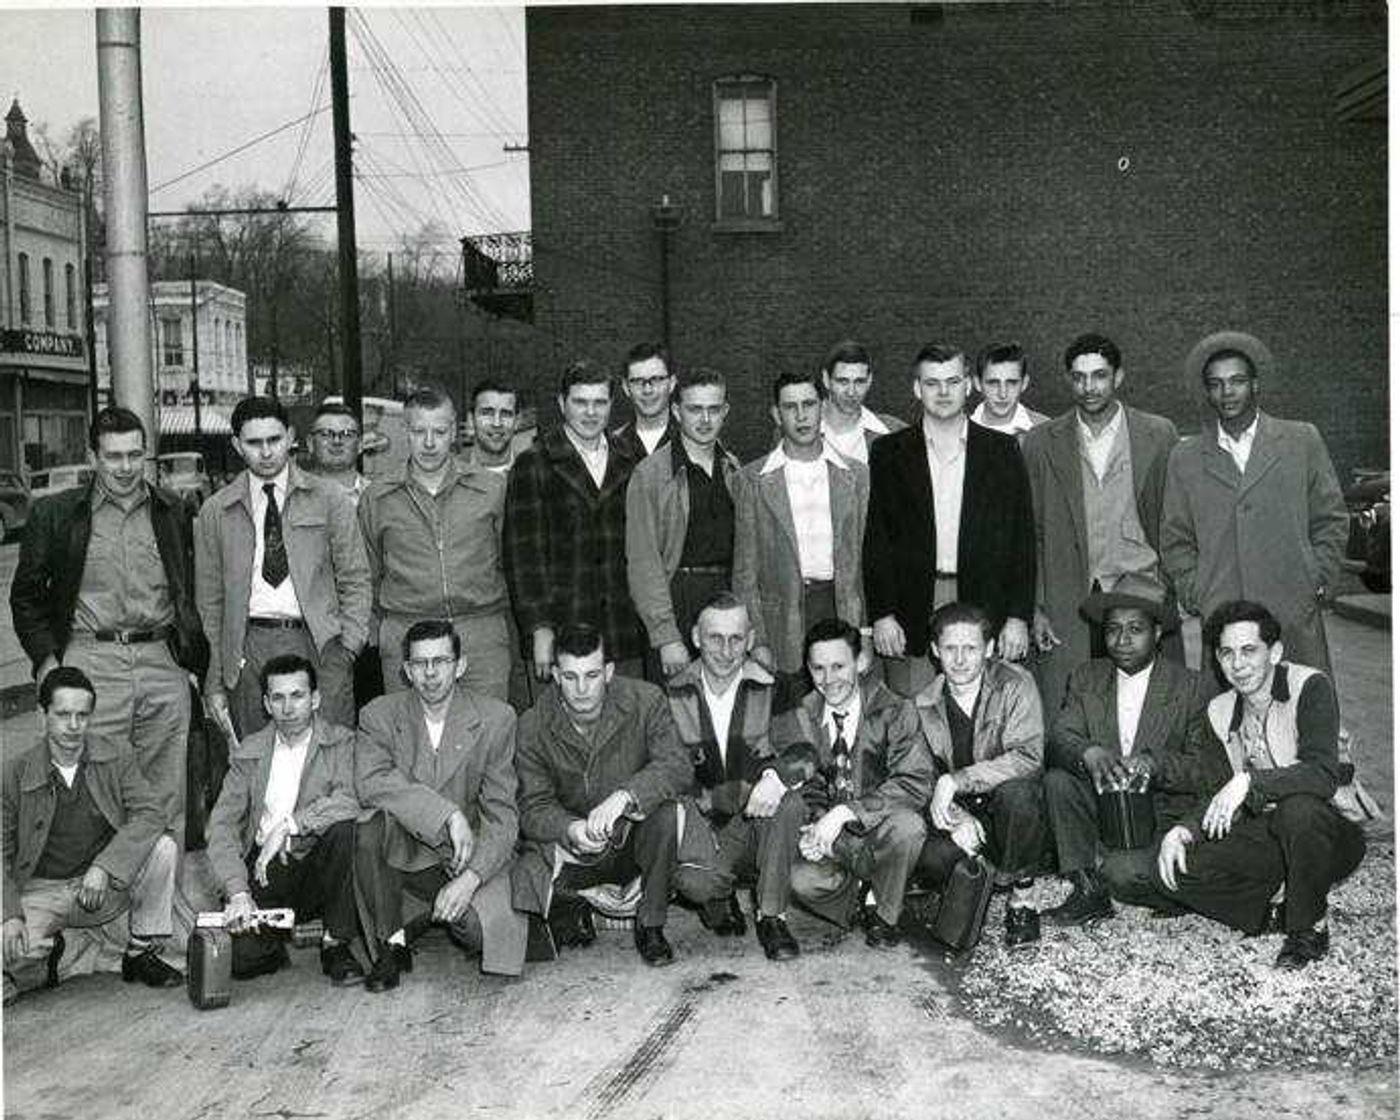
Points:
(946, 471)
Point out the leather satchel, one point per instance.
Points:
(962, 907)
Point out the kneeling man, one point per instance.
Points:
(866, 774)
(283, 830)
(600, 770)
(438, 762)
(748, 818)
(83, 844)
(983, 722)
(1272, 759)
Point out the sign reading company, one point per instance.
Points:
(47, 344)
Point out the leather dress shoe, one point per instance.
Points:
(51, 964)
(1301, 948)
(1088, 901)
(571, 922)
(653, 946)
(274, 960)
(339, 963)
(776, 939)
(723, 917)
(147, 967)
(384, 973)
(1022, 927)
(879, 934)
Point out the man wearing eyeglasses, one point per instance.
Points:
(648, 383)
(437, 762)
(434, 539)
(335, 447)
(680, 523)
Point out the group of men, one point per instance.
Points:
(832, 673)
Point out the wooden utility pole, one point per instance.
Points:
(194, 349)
(345, 217)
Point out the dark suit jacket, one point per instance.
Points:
(1171, 730)
(44, 593)
(996, 532)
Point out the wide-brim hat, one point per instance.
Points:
(1212, 344)
(1133, 590)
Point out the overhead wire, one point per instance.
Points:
(316, 91)
(236, 150)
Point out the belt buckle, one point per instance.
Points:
(123, 637)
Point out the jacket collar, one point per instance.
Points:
(459, 473)
(691, 677)
(237, 491)
(34, 770)
(1278, 691)
(263, 740)
(874, 697)
(995, 676)
(778, 458)
(680, 460)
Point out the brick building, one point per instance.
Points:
(899, 173)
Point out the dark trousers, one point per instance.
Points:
(650, 851)
(1131, 875)
(319, 884)
(748, 849)
(1072, 807)
(1303, 843)
(334, 676)
(691, 589)
(1013, 816)
(884, 857)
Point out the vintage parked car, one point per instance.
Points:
(14, 504)
(1368, 544)
(183, 472)
(54, 480)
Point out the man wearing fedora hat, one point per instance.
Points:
(1252, 507)
(1097, 473)
(1126, 720)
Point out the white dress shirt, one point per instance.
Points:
(1020, 419)
(849, 725)
(946, 476)
(283, 783)
(851, 443)
(721, 707)
(264, 600)
(596, 460)
(1098, 447)
(1131, 693)
(435, 727)
(1240, 448)
(809, 496)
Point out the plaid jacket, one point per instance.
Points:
(564, 544)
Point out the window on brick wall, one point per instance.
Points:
(26, 306)
(746, 154)
(70, 297)
(48, 292)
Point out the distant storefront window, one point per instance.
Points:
(26, 304)
(746, 148)
(48, 293)
(70, 296)
(172, 342)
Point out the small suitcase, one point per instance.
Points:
(1127, 819)
(209, 968)
(962, 907)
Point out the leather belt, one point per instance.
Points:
(132, 637)
(277, 623)
(817, 582)
(945, 575)
(704, 569)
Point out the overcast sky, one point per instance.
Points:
(217, 78)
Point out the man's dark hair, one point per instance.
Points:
(64, 676)
(1240, 610)
(257, 408)
(428, 630)
(831, 630)
(113, 420)
(937, 353)
(950, 614)
(644, 351)
(284, 665)
(1229, 352)
(795, 377)
(583, 372)
(999, 353)
(1092, 343)
(428, 399)
(722, 600)
(850, 352)
(579, 639)
(491, 385)
(334, 408)
(702, 375)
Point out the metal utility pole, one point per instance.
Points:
(666, 218)
(89, 323)
(124, 188)
(194, 347)
(345, 218)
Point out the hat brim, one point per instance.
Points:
(1245, 343)
(1097, 606)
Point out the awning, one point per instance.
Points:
(178, 420)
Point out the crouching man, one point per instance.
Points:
(600, 770)
(1272, 759)
(982, 720)
(748, 819)
(438, 762)
(865, 772)
(283, 830)
(83, 844)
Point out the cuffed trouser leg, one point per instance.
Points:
(379, 886)
(1072, 813)
(885, 858)
(650, 851)
(152, 891)
(1016, 836)
(775, 841)
(1320, 847)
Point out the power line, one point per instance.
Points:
(234, 151)
(316, 93)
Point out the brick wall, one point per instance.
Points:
(976, 172)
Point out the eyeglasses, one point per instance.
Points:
(334, 435)
(423, 664)
(647, 382)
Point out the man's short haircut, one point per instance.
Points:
(999, 353)
(335, 408)
(491, 385)
(701, 376)
(579, 639)
(644, 351)
(428, 630)
(847, 351)
(64, 676)
(1229, 352)
(1092, 343)
(950, 614)
(284, 665)
(831, 630)
(723, 600)
(796, 377)
(1240, 610)
(937, 353)
(428, 399)
(583, 372)
(114, 420)
(257, 408)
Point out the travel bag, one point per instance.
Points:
(962, 907)
(209, 967)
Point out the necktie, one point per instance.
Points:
(274, 565)
(841, 760)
